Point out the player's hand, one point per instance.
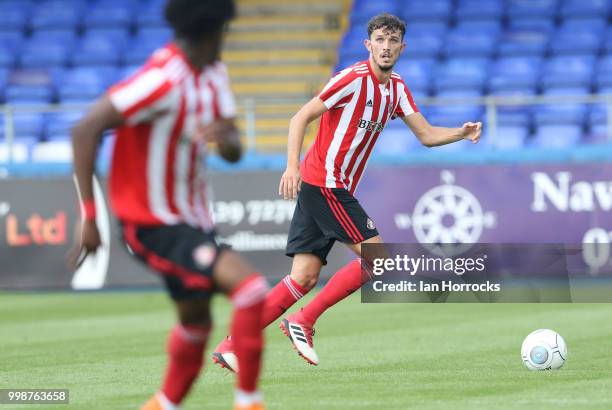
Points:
(214, 132)
(290, 183)
(471, 131)
(87, 244)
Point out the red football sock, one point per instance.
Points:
(346, 281)
(280, 298)
(185, 357)
(247, 332)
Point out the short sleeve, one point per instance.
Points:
(341, 85)
(141, 97)
(226, 99)
(406, 104)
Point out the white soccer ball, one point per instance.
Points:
(544, 349)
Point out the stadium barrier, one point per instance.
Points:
(498, 203)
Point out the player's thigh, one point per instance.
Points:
(184, 257)
(305, 236)
(230, 270)
(195, 312)
(341, 217)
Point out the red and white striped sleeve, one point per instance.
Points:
(226, 100)
(142, 96)
(406, 104)
(339, 87)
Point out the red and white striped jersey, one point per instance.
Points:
(157, 173)
(358, 110)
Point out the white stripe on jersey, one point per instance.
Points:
(336, 78)
(343, 124)
(227, 103)
(207, 97)
(156, 167)
(183, 155)
(139, 89)
(380, 119)
(403, 100)
(361, 132)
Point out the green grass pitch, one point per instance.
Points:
(108, 349)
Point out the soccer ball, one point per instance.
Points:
(544, 349)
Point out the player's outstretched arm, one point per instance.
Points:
(291, 179)
(86, 136)
(432, 136)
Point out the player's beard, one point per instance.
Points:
(388, 66)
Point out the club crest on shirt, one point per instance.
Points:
(204, 256)
(370, 224)
(370, 125)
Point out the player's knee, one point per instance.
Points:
(306, 279)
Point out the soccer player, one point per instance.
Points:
(354, 108)
(164, 115)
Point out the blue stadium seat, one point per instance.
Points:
(109, 14)
(514, 115)
(7, 56)
(432, 28)
(423, 46)
(461, 74)
(523, 43)
(479, 10)
(467, 43)
(532, 8)
(491, 28)
(56, 16)
(364, 10)
(11, 39)
(460, 94)
(597, 115)
(149, 16)
(557, 136)
(42, 56)
(62, 37)
(94, 51)
(563, 90)
(560, 114)
(604, 73)
(13, 19)
(506, 137)
(416, 73)
(126, 72)
(419, 10)
(599, 134)
(568, 71)
(585, 8)
(515, 72)
(28, 125)
(571, 41)
(543, 25)
(87, 76)
(607, 41)
(119, 36)
(60, 124)
(596, 25)
(454, 115)
(28, 94)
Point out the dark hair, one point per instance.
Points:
(194, 19)
(387, 20)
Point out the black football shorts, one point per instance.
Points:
(323, 216)
(185, 256)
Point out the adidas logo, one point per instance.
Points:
(369, 103)
(298, 333)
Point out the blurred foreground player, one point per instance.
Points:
(164, 115)
(354, 108)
